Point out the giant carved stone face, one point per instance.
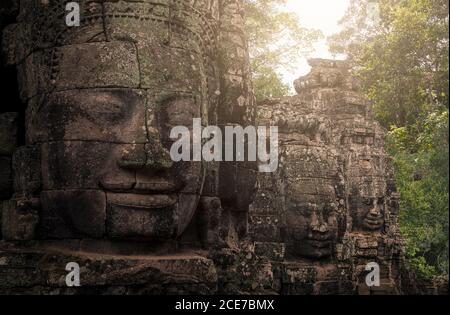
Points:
(102, 99)
(106, 159)
(368, 208)
(369, 214)
(368, 190)
(311, 203)
(366, 170)
(312, 229)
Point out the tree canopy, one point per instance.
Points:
(400, 52)
(277, 41)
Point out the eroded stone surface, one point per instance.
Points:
(95, 179)
(8, 133)
(5, 177)
(336, 202)
(44, 272)
(20, 219)
(101, 100)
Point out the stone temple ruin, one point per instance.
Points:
(85, 174)
(332, 208)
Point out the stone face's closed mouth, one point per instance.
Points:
(116, 187)
(319, 244)
(141, 187)
(141, 202)
(373, 224)
(156, 186)
(374, 221)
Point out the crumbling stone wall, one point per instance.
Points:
(98, 104)
(8, 112)
(332, 208)
(329, 210)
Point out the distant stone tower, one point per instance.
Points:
(332, 207)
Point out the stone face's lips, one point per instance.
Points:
(374, 222)
(141, 202)
(118, 187)
(319, 243)
(157, 186)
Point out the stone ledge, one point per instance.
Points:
(25, 270)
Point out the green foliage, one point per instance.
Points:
(423, 181)
(401, 58)
(268, 84)
(276, 42)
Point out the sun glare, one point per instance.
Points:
(318, 14)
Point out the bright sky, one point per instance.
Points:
(319, 14)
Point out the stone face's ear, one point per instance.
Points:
(394, 204)
(209, 218)
(8, 45)
(8, 143)
(10, 33)
(26, 165)
(19, 219)
(13, 50)
(237, 187)
(8, 133)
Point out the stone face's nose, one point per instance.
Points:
(375, 209)
(158, 157)
(318, 224)
(321, 228)
(151, 156)
(133, 158)
(148, 152)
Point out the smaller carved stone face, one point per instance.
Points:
(368, 213)
(311, 179)
(367, 199)
(312, 228)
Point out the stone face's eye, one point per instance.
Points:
(107, 109)
(327, 211)
(177, 112)
(305, 210)
(369, 140)
(180, 112)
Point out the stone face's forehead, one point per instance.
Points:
(159, 45)
(370, 186)
(46, 25)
